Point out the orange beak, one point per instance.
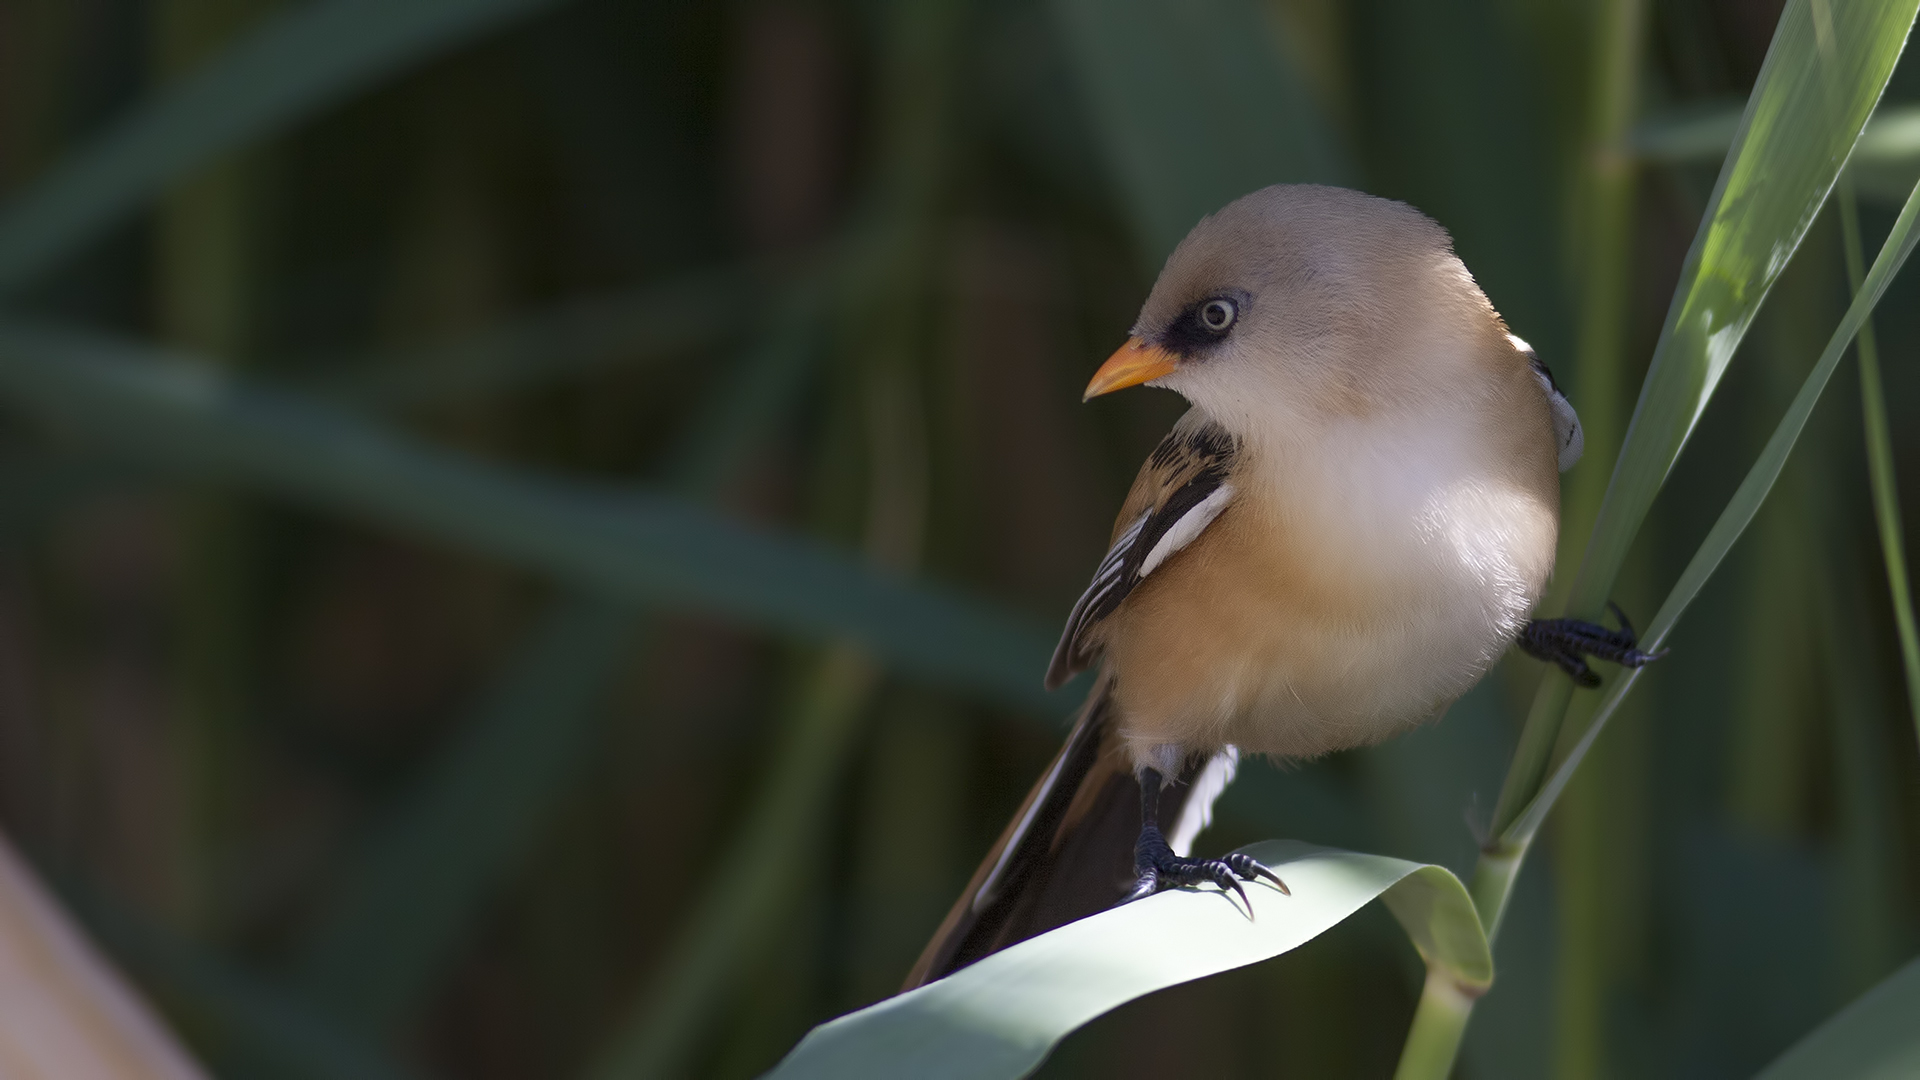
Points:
(1131, 364)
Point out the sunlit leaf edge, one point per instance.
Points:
(1002, 1016)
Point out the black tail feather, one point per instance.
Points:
(1068, 853)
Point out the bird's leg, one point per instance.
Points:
(1568, 642)
(1160, 869)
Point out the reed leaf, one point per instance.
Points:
(1002, 1016)
(577, 337)
(1884, 165)
(416, 889)
(1823, 75)
(1702, 135)
(1739, 511)
(1822, 78)
(291, 67)
(1880, 472)
(1874, 1038)
(614, 542)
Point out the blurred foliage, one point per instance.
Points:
(530, 528)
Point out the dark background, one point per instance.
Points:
(580, 609)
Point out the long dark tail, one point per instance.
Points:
(1068, 852)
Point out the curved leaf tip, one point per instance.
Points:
(1002, 1016)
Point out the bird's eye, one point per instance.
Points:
(1218, 314)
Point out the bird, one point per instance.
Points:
(1351, 524)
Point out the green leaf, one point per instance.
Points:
(1875, 1038)
(1824, 73)
(1696, 133)
(1704, 133)
(609, 541)
(1740, 509)
(1884, 165)
(1880, 469)
(1001, 1016)
(577, 337)
(415, 890)
(291, 67)
(1195, 105)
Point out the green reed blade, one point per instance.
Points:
(1885, 486)
(1875, 1038)
(415, 892)
(1739, 511)
(291, 67)
(575, 338)
(1824, 72)
(616, 543)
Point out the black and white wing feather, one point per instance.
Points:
(1569, 440)
(1181, 489)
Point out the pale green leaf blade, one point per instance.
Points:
(1001, 1016)
(1875, 1038)
(1195, 104)
(291, 67)
(1823, 75)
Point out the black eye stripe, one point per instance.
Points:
(1206, 323)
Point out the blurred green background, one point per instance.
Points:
(530, 531)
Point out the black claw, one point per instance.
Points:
(1577, 668)
(1159, 869)
(1248, 868)
(1626, 627)
(1218, 873)
(1568, 643)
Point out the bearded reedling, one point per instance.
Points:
(1347, 530)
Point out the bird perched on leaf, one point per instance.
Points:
(1347, 530)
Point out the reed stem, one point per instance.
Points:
(1885, 485)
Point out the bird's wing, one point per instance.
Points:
(1568, 439)
(1068, 852)
(1181, 489)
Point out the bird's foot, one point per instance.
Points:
(1160, 869)
(1568, 643)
